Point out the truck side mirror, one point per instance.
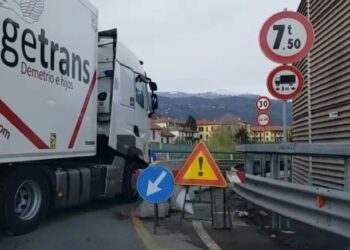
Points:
(154, 100)
(153, 86)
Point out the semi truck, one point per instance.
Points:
(75, 109)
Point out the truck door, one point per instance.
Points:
(142, 121)
(122, 134)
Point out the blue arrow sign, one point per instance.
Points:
(155, 184)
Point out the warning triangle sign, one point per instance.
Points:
(200, 169)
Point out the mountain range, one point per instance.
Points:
(217, 106)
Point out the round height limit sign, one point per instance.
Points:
(286, 37)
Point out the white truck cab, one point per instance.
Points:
(123, 90)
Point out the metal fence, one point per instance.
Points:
(183, 155)
(324, 208)
(176, 159)
(168, 152)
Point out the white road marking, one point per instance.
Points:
(209, 242)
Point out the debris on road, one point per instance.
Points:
(273, 236)
(179, 199)
(242, 213)
(146, 210)
(263, 213)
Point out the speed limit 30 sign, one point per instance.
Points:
(286, 37)
(263, 103)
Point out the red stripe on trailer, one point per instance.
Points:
(21, 126)
(82, 113)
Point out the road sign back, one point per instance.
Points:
(200, 169)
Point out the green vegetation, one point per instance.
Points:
(242, 136)
(222, 140)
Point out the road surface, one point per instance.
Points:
(108, 225)
(99, 225)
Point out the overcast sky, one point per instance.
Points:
(196, 45)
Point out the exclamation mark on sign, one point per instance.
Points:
(200, 160)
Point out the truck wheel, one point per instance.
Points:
(24, 202)
(130, 180)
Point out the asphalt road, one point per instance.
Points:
(108, 225)
(99, 225)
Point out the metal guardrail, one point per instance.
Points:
(224, 165)
(183, 155)
(176, 158)
(297, 201)
(332, 150)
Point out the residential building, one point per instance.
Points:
(155, 133)
(167, 137)
(161, 135)
(182, 133)
(206, 128)
(272, 134)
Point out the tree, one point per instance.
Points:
(191, 123)
(221, 140)
(242, 136)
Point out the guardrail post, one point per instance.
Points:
(347, 175)
(286, 178)
(263, 165)
(249, 163)
(274, 174)
(285, 168)
(275, 167)
(168, 156)
(231, 157)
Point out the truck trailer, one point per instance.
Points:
(75, 109)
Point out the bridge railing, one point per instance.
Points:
(324, 208)
(183, 155)
(176, 158)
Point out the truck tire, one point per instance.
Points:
(130, 193)
(24, 201)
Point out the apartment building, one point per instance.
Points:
(206, 128)
(182, 133)
(272, 134)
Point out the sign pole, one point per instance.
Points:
(224, 204)
(155, 220)
(286, 82)
(263, 137)
(285, 139)
(211, 207)
(157, 216)
(155, 185)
